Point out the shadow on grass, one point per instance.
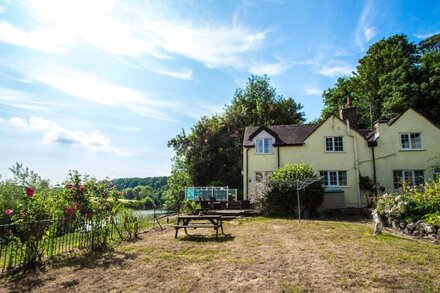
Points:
(26, 281)
(203, 238)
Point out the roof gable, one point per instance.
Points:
(284, 134)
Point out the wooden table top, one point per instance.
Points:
(199, 217)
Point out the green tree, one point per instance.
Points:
(394, 75)
(212, 150)
(179, 179)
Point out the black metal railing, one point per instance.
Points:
(37, 241)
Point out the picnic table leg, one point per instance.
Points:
(216, 232)
(177, 229)
(185, 223)
(221, 225)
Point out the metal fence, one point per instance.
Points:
(206, 193)
(19, 249)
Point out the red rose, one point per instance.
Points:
(30, 191)
(81, 188)
(68, 185)
(74, 189)
(70, 210)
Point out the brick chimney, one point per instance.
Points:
(348, 112)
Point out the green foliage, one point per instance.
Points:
(177, 182)
(156, 183)
(190, 207)
(130, 223)
(211, 153)
(394, 75)
(36, 207)
(281, 197)
(412, 204)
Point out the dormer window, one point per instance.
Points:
(334, 144)
(263, 146)
(410, 141)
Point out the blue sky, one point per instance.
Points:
(101, 86)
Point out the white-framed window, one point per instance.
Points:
(410, 141)
(408, 177)
(334, 178)
(334, 144)
(263, 146)
(262, 175)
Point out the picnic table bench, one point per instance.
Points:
(193, 221)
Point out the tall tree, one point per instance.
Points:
(212, 150)
(387, 80)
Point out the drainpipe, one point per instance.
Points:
(278, 154)
(374, 172)
(356, 161)
(247, 177)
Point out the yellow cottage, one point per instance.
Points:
(405, 147)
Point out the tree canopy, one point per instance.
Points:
(211, 153)
(395, 74)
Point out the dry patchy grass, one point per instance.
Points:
(259, 254)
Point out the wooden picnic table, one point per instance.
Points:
(194, 221)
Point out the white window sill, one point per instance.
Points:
(264, 153)
(335, 186)
(334, 152)
(412, 150)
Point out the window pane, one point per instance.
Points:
(333, 178)
(342, 178)
(415, 141)
(408, 177)
(404, 139)
(267, 145)
(259, 146)
(329, 144)
(325, 177)
(339, 147)
(419, 177)
(397, 178)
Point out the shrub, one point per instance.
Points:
(279, 197)
(412, 203)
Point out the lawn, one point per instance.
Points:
(259, 254)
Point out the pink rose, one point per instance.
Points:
(9, 212)
(68, 185)
(30, 191)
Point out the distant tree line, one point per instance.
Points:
(154, 182)
(148, 191)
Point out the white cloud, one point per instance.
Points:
(89, 87)
(133, 29)
(270, 68)
(336, 70)
(365, 32)
(427, 35)
(185, 74)
(55, 133)
(22, 100)
(313, 91)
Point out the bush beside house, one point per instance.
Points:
(276, 196)
(414, 210)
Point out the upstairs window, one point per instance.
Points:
(334, 178)
(264, 146)
(410, 141)
(334, 144)
(408, 177)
